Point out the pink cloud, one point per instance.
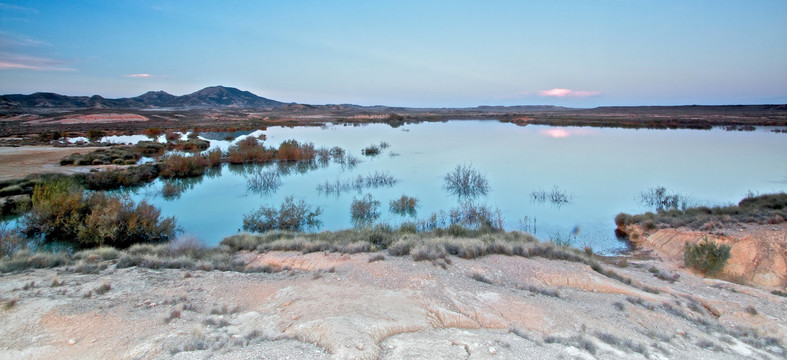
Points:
(568, 93)
(146, 76)
(23, 62)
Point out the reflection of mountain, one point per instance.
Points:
(224, 135)
(209, 97)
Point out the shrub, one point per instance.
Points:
(465, 181)
(49, 136)
(364, 211)
(404, 205)
(248, 150)
(707, 257)
(62, 211)
(111, 179)
(94, 134)
(212, 158)
(291, 150)
(152, 133)
(176, 166)
(10, 241)
(191, 145)
(290, 216)
(150, 148)
(371, 150)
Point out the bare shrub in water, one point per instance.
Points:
(466, 181)
(476, 216)
(290, 216)
(661, 199)
(264, 181)
(364, 211)
(404, 205)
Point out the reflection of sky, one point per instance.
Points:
(603, 169)
(566, 132)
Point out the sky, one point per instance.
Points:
(579, 53)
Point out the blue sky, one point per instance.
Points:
(580, 53)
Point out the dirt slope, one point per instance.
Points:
(337, 306)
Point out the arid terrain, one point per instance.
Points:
(18, 162)
(374, 305)
(365, 306)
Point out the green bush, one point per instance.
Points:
(62, 211)
(290, 216)
(706, 257)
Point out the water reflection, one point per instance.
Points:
(601, 175)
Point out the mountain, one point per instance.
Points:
(220, 96)
(209, 97)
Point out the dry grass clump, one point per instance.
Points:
(621, 343)
(579, 341)
(26, 260)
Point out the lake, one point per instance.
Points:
(602, 170)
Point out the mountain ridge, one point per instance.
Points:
(209, 97)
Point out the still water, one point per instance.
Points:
(603, 170)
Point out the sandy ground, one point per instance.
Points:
(339, 306)
(758, 253)
(18, 162)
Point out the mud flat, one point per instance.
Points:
(18, 162)
(368, 306)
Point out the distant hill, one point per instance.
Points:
(209, 97)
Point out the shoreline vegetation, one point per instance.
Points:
(82, 245)
(44, 125)
(188, 160)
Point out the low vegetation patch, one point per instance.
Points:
(178, 166)
(63, 211)
(754, 209)
(116, 155)
(706, 256)
(112, 179)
